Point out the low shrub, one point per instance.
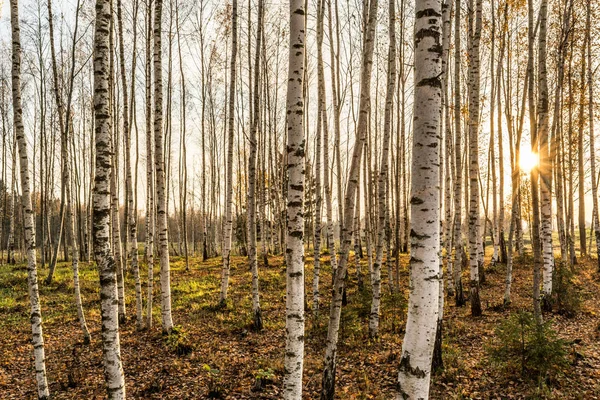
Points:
(533, 349)
(565, 294)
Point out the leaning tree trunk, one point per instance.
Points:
(383, 174)
(417, 348)
(227, 230)
(62, 127)
(159, 165)
(294, 345)
(328, 385)
(28, 217)
(70, 234)
(113, 369)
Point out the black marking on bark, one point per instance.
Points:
(433, 82)
(417, 236)
(416, 200)
(428, 12)
(406, 367)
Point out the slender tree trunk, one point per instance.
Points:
(294, 346)
(590, 84)
(227, 230)
(535, 226)
(159, 165)
(383, 173)
(149, 170)
(62, 127)
(251, 201)
(474, 222)
(12, 219)
(114, 183)
(545, 160)
(444, 175)
(28, 212)
(130, 209)
(113, 369)
(328, 386)
(580, 159)
(458, 242)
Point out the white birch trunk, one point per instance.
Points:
(130, 214)
(227, 229)
(149, 171)
(383, 174)
(294, 345)
(252, 259)
(28, 217)
(417, 348)
(328, 385)
(159, 165)
(545, 160)
(113, 370)
(474, 222)
(590, 84)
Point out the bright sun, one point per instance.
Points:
(528, 160)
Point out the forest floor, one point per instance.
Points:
(220, 351)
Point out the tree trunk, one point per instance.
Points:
(130, 209)
(474, 222)
(535, 226)
(417, 348)
(149, 171)
(383, 173)
(328, 386)
(28, 216)
(294, 346)
(113, 369)
(590, 84)
(251, 208)
(458, 242)
(159, 165)
(227, 229)
(545, 160)
(114, 183)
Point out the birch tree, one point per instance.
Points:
(113, 369)
(458, 242)
(590, 85)
(149, 169)
(318, 158)
(328, 382)
(227, 230)
(474, 223)
(417, 347)
(28, 217)
(383, 172)
(295, 150)
(160, 177)
(251, 201)
(130, 209)
(545, 161)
